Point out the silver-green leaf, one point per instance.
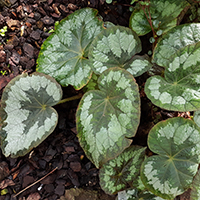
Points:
(108, 117)
(27, 112)
(179, 90)
(63, 54)
(116, 47)
(176, 142)
(164, 16)
(174, 40)
(123, 171)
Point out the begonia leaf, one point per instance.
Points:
(176, 142)
(29, 117)
(108, 117)
(63, 54)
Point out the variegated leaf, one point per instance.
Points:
(195, 188)
(123, 171)
(135, 194)
(175, 39)
(196, 117)
(179, 90)
(63, 55)
(115, 47)
(164, 16)
(29, 117)
(171, 172)
(108, 117)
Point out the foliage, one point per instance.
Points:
(3, 31)
(108, 117)
(27, 109)
(103, 59)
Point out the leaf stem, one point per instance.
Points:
(70, 98)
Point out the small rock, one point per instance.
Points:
(41, 10)
(27, 180)
(64, 9)
(34, 196)
(15, 57)
(13, 24)
(4, 171)
(71, 6)
(8, 47)
(47, 20)
(2, 56)
(75, 166)
(35, 35)
(40, 24)
(14, 40)
(60, 189)
(49, 188)
(37, 16)
(2, 19)
(28, 50)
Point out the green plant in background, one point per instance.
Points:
(3, 31)
(101, 58)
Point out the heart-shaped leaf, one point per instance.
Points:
(179, 90)
(175, 39)
(163, 14)
(27, 102)
(63, 55)
(135, 194)
(123, 171)
(108, 117)
(177, 143)
(115, 47)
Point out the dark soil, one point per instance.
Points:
(29, 23)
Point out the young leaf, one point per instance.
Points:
(27, 102)
(164, 16)
(63, 55)
(123, 171)
(179, 90)
(108, 117)
(177, 143)
(175, 39)
(115, 47)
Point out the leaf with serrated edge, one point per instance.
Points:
(123, 171)
(177, 143)
(164, 16)
(27, 102)
(179, 90)
(108, 117)
(175, 39)
(63, 55)
(116, 47)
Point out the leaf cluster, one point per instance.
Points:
(103, 59)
